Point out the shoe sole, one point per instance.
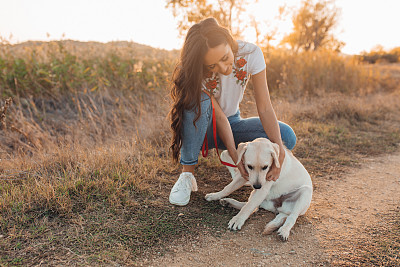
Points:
(178, 203)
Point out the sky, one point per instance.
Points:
(363, 24)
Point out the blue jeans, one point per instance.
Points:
(244, 130)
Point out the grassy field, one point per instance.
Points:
(85, 169)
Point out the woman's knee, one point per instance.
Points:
(288, 135)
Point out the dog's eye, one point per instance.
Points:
(250, 167)
(265, 167)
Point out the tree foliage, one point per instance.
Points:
(379, 55)
(227, 13)
(313, 24)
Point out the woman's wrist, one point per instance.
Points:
(281, 154)
(282, 150)
(233, 153)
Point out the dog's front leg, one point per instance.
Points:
(255, 200)
(236, 183)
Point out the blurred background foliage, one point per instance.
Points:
(306, 62)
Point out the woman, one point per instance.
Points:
(214, 67)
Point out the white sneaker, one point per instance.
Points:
(180, 192)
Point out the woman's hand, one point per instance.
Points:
(243, 171)
(274, 172)
(268, 119)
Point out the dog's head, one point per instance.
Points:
(258, 156)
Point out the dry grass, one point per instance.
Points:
(50, 150)
(308, 74)
(382, 246)
(110, 193)
(85, 176)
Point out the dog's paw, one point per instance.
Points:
(212, 196)
(236, 223)
(224, 202)
(284, 232)
(269, 229)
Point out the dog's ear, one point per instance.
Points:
(275, 154)
(241, 149)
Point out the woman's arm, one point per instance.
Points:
(225, 133)
(268, 119)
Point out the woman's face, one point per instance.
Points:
(219, 59)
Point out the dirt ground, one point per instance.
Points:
(334, 227)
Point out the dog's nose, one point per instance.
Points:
(256, 186)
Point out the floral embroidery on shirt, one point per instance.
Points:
(211, 83)
(241, 62)
(240, 74)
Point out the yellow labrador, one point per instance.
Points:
(289, 196)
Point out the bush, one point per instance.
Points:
(378, 55)
(56, 68)
(315, 73)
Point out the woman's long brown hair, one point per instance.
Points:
(189, 73)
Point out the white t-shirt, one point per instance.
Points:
(228, 90)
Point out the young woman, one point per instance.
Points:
(214, 67)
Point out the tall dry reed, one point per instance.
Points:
(317, 73)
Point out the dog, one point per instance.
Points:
(289, 196)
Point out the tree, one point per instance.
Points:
(313, 25)
(189, 12)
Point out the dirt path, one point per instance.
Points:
(334, 226)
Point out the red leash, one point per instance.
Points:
(204, 149)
